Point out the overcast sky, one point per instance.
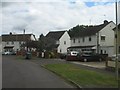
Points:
(42, 16)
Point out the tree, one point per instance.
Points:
(76, 30)
(41, 43)
(46, 43)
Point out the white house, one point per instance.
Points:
(62, 40)
(97, 39)
(12, 42)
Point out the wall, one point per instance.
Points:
(109, 39)
(86, 41)
(109, 35)
(33, 38)
(62, 48)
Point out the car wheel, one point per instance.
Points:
(85, 60)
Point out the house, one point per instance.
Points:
(96, 39)
(13, 42)
(118, 40)
(62, 40)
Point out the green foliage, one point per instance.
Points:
(76, 30)
(46, 43)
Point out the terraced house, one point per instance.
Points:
(95, 39)
(12, 42)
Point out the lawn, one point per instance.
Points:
(83, 77)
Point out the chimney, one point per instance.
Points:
(105, 22)
(24, 31)
(10, 33)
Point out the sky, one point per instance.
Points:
(41, 16)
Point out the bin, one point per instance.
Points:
(28, 55)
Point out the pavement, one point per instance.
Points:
(99, 65)
(25, 74)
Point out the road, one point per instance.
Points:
(26, 74)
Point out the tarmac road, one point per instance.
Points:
(26, 74)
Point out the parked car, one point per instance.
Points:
(7, 53)
(73, 55)
(113, 57)
(63, 55)
(91, 57)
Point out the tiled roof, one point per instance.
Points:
(55, 34)
(91, 30)
(16, 37)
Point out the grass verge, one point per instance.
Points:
(83, 77)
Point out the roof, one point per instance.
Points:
(55, 34)
(16, 37)
(91, 30)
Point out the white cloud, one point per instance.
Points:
(42, 17)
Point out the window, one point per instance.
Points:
(101, 51)
(60, 50)
(105, 52)
(7, 42)
(64, 42)
(83, 39)
(78, 40)
(19, 42)
(74, 40)
(102, 38)
(90, 39)
(12, 42)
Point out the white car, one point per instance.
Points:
(73, 55)
(7, 53)
(113, 57)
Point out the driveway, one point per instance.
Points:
(25, 74)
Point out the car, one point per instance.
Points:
(91, 57)
(113, 57)
(72, 55)
(63, 55)
(7, 53)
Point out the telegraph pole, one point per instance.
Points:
(116, 36)
(98, 42)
